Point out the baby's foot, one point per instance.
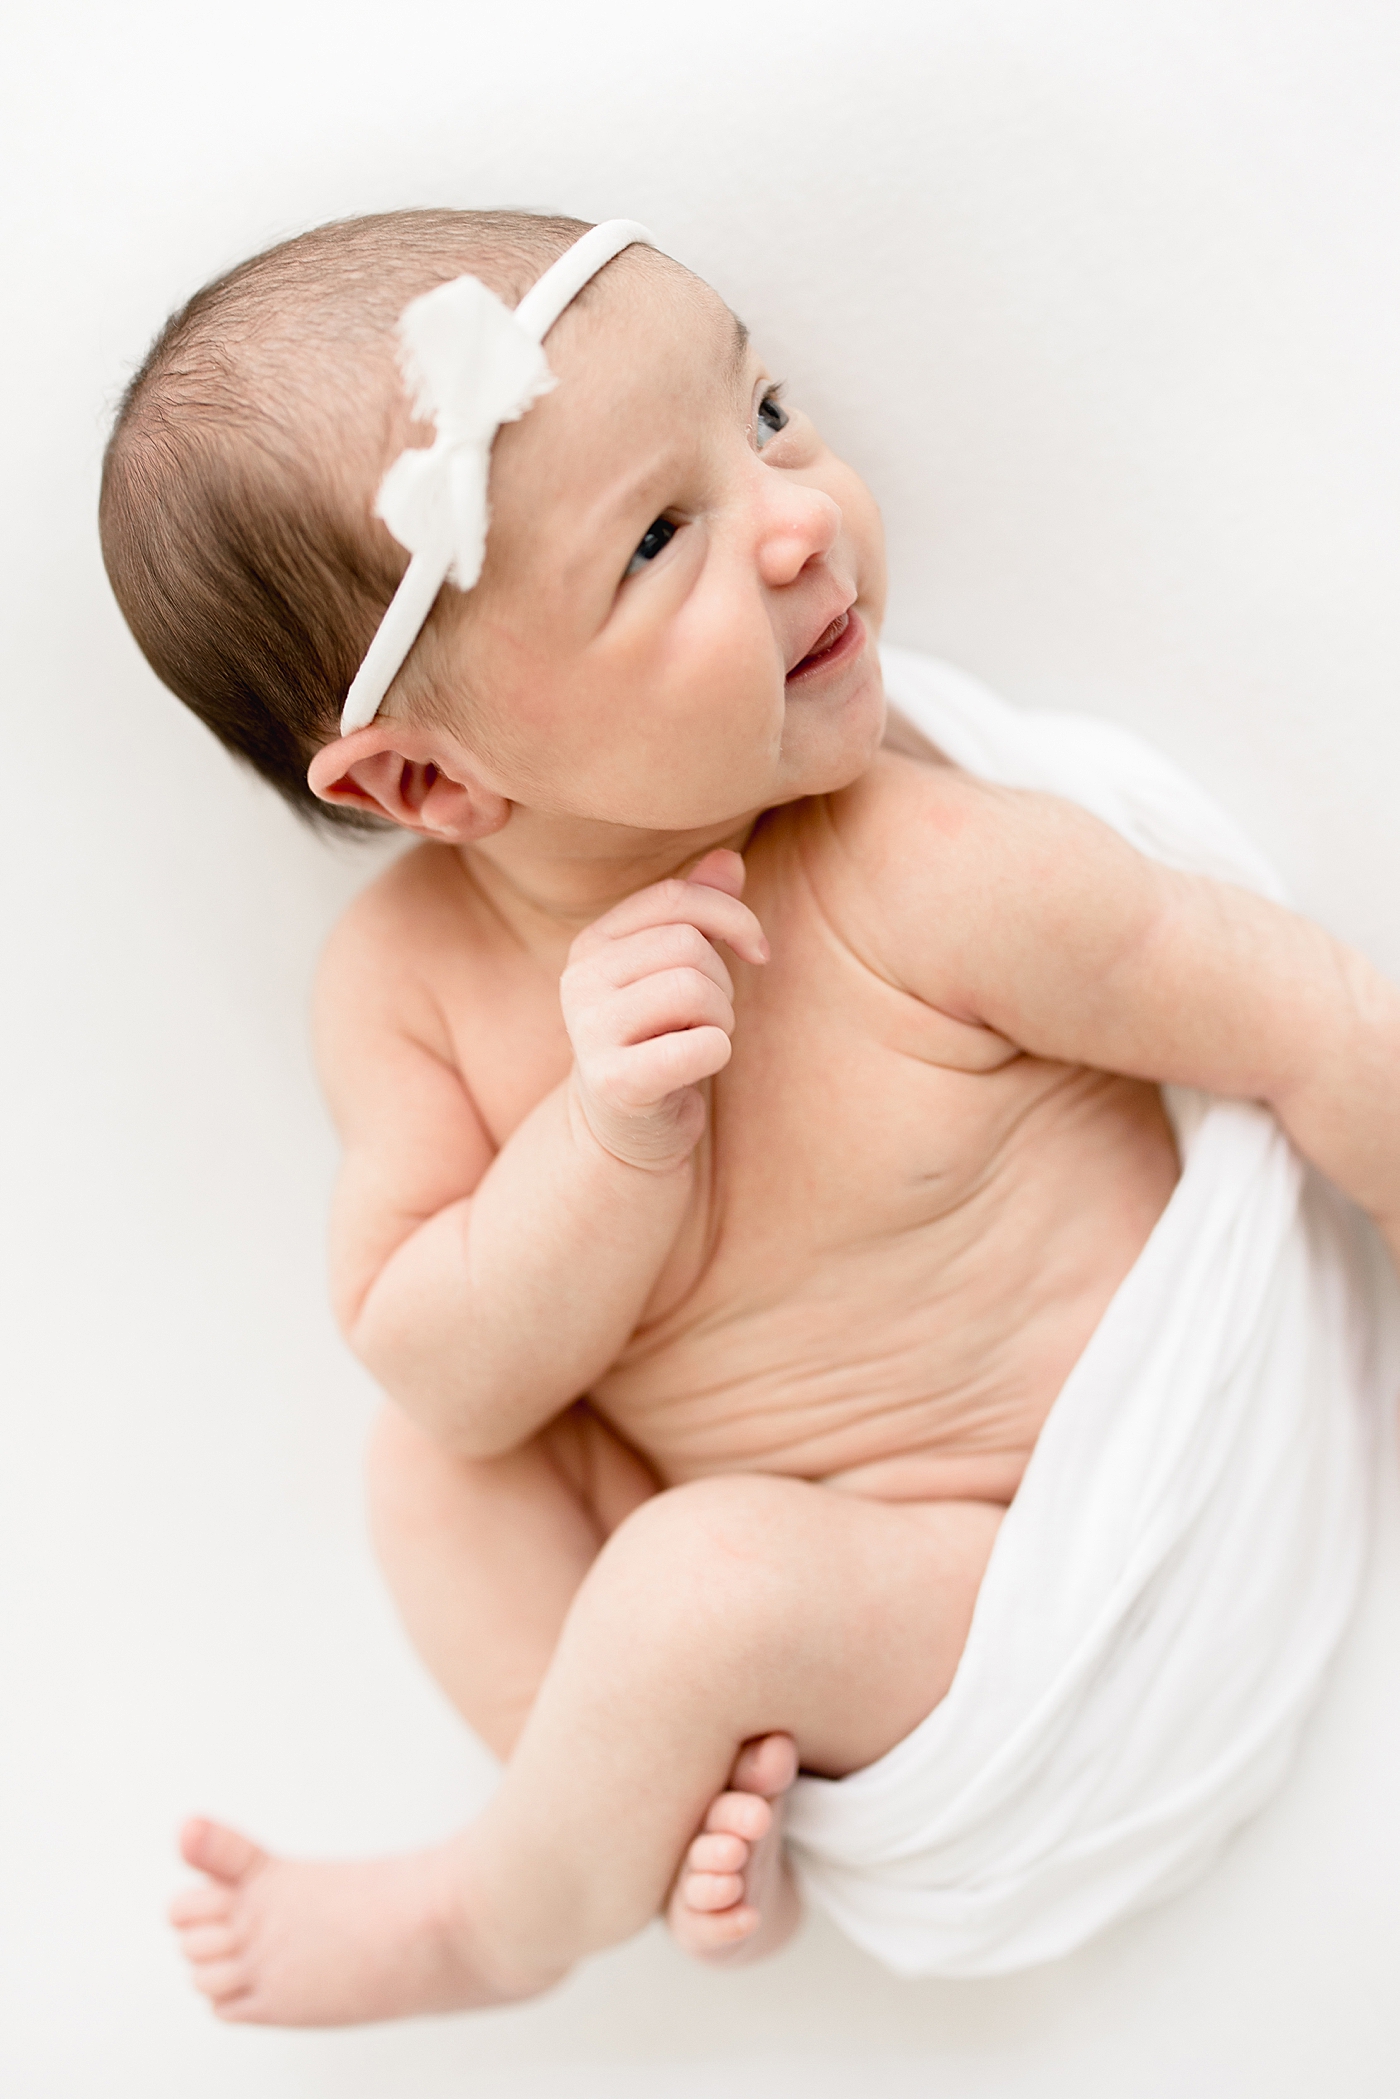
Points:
(285, 1942)
(734, 1898)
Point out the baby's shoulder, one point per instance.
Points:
(908, 819)
(924, 867)
(380, 962)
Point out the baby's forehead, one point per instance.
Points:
(652, 319)
(645, 376)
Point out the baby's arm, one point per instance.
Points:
(487, 1289)
(1027, 915)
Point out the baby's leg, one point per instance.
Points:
(718, 1612)
(483, 1557)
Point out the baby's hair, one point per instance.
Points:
(236, 489)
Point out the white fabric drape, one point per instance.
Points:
(1181, 1559)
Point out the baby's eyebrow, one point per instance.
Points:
(741, 345)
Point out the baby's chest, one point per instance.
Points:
(841, 1164)
(847, 1094)
(840, 1284)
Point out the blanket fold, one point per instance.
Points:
(1183, 1554)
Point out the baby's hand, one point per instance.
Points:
(649, 1009)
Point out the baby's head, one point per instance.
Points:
(650, 640)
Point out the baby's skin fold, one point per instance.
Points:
(748, 1118)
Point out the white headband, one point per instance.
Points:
(471, 364)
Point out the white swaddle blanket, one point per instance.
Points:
(1176, 1570)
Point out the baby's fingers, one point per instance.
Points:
(659, 1005)
(721, 869)
(648, 953)
(648, 1072)
(712, 912)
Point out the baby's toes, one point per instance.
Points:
(224, 1854)
(717, 1854)
(207, 1942)
(712, 1891)
(220, 1980)
(766, 1765)
(739, 1815)
(710, 1931)
(208, 1902)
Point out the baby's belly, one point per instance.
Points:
(919, 1364)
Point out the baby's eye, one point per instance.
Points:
(656, 536)
(772, 417)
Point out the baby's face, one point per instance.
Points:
(676, 621)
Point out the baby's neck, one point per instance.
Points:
(548, 881)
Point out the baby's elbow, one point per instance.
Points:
(454, 1408)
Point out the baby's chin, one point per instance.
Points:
(826, 747)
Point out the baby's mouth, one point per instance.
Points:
(823, 645)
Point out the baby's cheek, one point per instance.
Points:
(728, 662)
(863, 529)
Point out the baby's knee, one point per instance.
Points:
(711, 1550)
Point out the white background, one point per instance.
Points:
(1101, 295)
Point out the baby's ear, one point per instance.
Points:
(389, 770)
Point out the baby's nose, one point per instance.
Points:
(801, 525)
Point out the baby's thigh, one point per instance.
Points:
(891, 1591)
(836, 1617)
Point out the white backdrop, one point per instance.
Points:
(1102, 298)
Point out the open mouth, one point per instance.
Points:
(837, 640)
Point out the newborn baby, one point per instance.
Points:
(749, 1116)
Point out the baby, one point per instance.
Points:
(749, 1116)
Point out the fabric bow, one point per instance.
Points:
(470, 366)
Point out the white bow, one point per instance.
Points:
(470, 367)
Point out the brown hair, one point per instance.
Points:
(237, 484)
